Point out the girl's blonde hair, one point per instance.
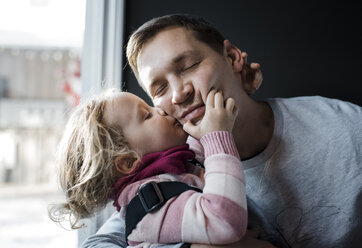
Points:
(86, 160)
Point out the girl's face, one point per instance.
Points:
(145, 128)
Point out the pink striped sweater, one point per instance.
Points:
(218, 215)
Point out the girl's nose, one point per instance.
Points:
(161, 112)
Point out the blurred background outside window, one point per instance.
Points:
(40, 50)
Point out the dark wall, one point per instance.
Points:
(304, 48)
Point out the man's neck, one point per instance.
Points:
(253, 131)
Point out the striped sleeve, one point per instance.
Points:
(218, 215)
(197, 147)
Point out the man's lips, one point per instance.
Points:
(193, 113)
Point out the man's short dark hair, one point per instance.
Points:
(201, 29)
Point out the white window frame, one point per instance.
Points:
(102, 60)
(102, 55)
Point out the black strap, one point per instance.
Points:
(150, 197)
(196, 163)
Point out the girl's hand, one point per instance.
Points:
(251, 74)
(220, 115)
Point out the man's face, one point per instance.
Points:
(178, 71)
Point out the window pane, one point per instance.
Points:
(40, 60)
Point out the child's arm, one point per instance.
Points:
(196, 146)
(218, 215)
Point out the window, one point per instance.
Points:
(41, 43)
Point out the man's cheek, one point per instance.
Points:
(212, 83)
(156, 102)
(162, 104)
(204, 92)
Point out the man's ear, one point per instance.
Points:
(125, 163)
(234, 55)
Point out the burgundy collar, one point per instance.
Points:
(173, 161)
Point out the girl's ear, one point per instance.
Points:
(125, 163)
(234, 55)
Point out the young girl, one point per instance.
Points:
(115, 143)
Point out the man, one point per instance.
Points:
(302, 156)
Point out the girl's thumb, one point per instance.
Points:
(189, 128)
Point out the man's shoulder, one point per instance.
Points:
(308, 99)
(316, 112)
(314, 104)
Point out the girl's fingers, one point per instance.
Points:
(210, 98)
(190, 128)
(219, 100)
(244, 55)
(235, 110)
(230, 104)
(255, 66)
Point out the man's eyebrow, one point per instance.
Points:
(183, 55)
(179, 58)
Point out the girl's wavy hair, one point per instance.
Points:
(86, 160)
(200, 29)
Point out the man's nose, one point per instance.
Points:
(180, 92)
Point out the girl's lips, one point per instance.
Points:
(195, 114)
(177, 124)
